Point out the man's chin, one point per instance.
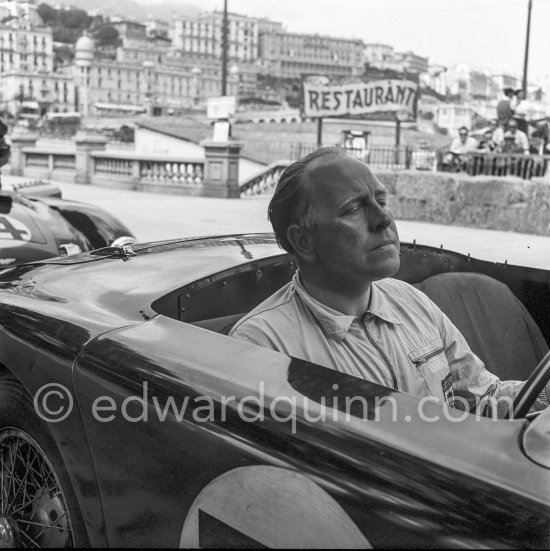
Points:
(387, 268)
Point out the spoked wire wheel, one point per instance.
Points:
(33, 511)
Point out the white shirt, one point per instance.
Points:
(459, 148)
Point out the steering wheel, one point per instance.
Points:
(532, 388)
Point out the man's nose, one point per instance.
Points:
(380, 218)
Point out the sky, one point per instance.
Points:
(486, 34)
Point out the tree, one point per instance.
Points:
(68, 36)
(75, 19)
(63, 55)
(47, 14)
(106, 35)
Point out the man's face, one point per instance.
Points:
(512, 126)
(463, 135)
(355, 236)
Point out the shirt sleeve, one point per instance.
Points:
(471, 380)
(455, 146)
(524, 142)
(257, 330)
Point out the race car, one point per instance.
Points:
(129, 417)
(36, 223)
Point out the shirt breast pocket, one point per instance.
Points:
(431, 363)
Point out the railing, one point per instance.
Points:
(112, 167)
(497, 164)
(265, 181)
(502, 164)
(63, 162)
(183, 173)
(144, 171)
(37, 160)
(48, 161)
(376, 156)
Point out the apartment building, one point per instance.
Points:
(202, 35)
(294, 55)
(384, 56)
(26, 65)
(168, 82)
(25, 49)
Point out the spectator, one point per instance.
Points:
(510, 145)
(521, 107)
(537, 145)
(487, 144)
(497, 131)
(520, 138)
(504, 109)
(457, 158)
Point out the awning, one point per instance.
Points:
(30, 104)
(63, 115)
(120, 107)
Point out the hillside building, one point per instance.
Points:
(144, 80)
(202, 36)
(27, 66)
(294, 55)
(383, 56)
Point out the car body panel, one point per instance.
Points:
(103, 325)
(36, 226)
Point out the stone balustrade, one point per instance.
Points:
(265, 181)
(86, 160)
(164, 175)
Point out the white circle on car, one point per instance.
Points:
(271, 507)
(13, 229)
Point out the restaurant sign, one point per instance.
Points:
(360, 98)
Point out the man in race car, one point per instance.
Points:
(342, 309)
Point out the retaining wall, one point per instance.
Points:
(504, 203)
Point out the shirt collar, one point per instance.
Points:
(335, 324)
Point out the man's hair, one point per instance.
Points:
(291, 203)
(463, 128)
(508, 91)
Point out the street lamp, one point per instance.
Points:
(234, 73)
(224, 49)
(526, 59)
(196, 71)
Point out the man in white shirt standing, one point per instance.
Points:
(520, 106)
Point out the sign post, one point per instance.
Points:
(393, 96)
(320, 132)
(399, 117)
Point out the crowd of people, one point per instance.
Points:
(507, 133)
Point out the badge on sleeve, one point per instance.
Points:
(447, 386)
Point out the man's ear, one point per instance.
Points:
(302, 242)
